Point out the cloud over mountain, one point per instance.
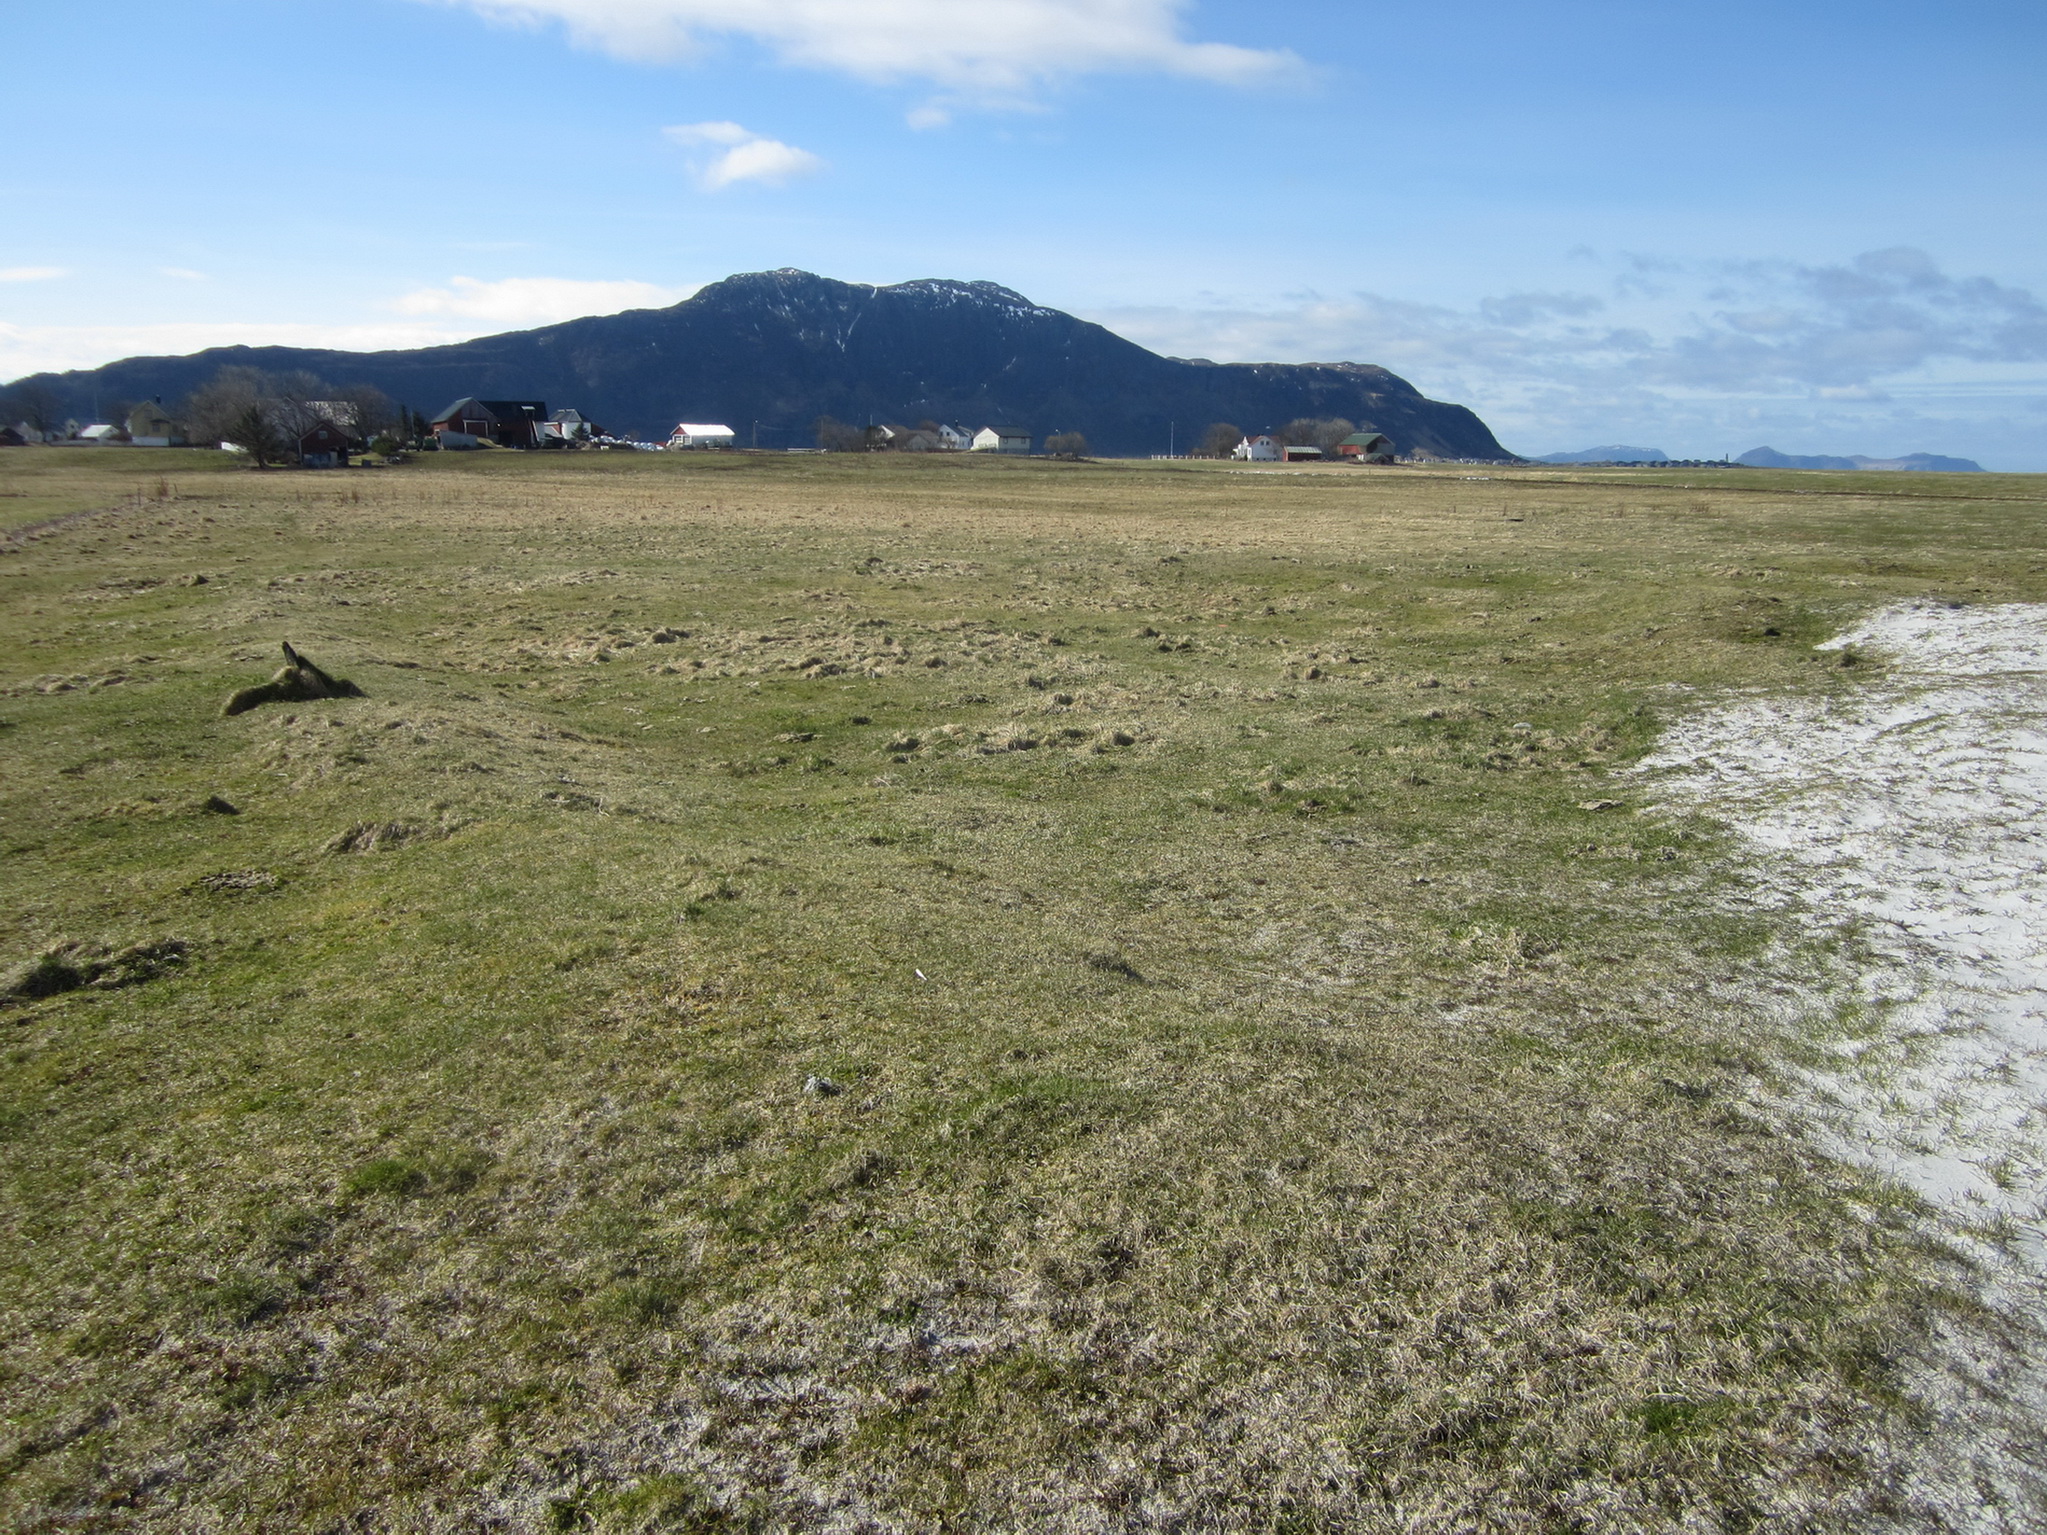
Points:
(513, 301)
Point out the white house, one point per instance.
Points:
(1258, 450)
(568, 426)
(1002, 439)
(955, 439)
(700, 434)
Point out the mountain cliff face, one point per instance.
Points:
(782, 348)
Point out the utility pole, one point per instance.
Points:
(1172, 438)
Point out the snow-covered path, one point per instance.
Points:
(1916, 810)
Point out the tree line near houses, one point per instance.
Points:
(267, 416)
(1220, 440)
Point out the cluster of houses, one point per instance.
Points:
(935, 437)
(326, 434)
(471, 422)
(1358, 447)
(149, 425)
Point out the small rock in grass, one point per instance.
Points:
(213, 804)
(1113, 964)
(368, 836)
(229, 881)
(1599, 804)
(821, 1087)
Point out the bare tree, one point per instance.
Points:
(374, 414)
(35, 406)
(240, 406)
(300, 401)
(1323, 432)
(1220, 440)
(834, 436)
(253, 428)
(1066, 445)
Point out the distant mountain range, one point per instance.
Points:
(769, 352)
(1616, 454)
(1920, 463)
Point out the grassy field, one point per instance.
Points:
(931, 995)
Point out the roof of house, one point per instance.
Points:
(96, 431)
(322, 431)
(462, 408)
(495, 410)
(1007, 431)
(1363, 439)
(702, 429)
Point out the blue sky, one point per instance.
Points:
(1813, 225)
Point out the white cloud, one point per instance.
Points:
(28, 349)
(513, 302)
(464, 309)
(984, 51)
(30, 273)
(1884, 353)
(747, 156)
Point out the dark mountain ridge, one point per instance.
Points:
(782, 348)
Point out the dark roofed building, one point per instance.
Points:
(508, 423)
(1366, 448)
(323, 447)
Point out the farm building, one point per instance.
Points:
(702, 434)
(1002, 439)
(1366, 448)
(1300, 453)
(1257, 450)
(150, 426)
(325, 446)
(10, 437)
(508, 423)
(99, 434)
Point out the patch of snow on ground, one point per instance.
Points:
(1911, 815)
(1916, 809)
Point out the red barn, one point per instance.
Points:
(324, 447)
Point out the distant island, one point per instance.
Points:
(1770, 458)
(1917, 463)
(1616, 454)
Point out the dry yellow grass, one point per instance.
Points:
(891, 995)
